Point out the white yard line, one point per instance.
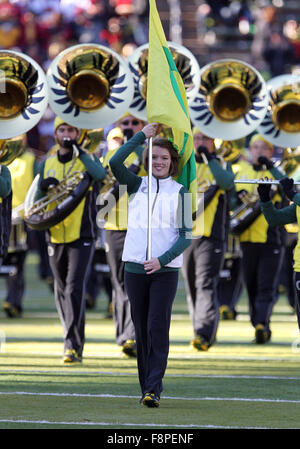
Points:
(116, 396)
(67, 372)
(119, 424)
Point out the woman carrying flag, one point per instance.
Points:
(151, 282)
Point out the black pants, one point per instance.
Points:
(69, 263)
(121, 305)
(261, 267)
(151, 298)
(297, 288)
(15, 283)
(230, 283)
(202, 262)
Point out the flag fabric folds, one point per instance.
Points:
(167, 102)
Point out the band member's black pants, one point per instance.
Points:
(15, 283)
(261, 267)
(230, 284)
(121, 305)
(151, 298)
(69, 263)
(297, 288)
(202, 262)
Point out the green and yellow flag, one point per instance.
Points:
(167, 103)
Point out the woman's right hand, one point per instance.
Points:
(150, 130)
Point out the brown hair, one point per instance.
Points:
(168, 145)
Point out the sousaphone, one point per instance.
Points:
(232, 100)
(281, 125)
(23, 101)
(186, 64)
(90, 86)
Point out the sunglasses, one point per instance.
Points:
(132, 122)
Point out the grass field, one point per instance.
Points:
(235, 385)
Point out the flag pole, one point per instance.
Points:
(149, 237)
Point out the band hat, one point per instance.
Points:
(115, 133)
(258, 138)
(59, 121)
(126, 114)
(195, 131)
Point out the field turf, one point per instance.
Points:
(235, 385)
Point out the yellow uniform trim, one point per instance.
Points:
(297, 249)
(204, 223)
(117, 217)
(257, 231)
(67, 230)
(21, 170)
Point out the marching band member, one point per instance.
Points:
(151, 284)
(230, 283)
(203, 260)
(280, 217)
(5, 210)
(23, 170)
(71, 241)
(262, 246)
(115, 232)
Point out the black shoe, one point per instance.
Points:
(71, 357)
(262, 335)
(11, 310)
(226, 313)
(150, 400)
(89, 301)
(200, 343)
(129, 348)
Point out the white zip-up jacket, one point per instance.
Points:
(165, 227)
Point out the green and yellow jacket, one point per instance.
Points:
(81, 223)
(260, 231)
(212, 221)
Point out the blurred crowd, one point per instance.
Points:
(43, 28)
(270, 39)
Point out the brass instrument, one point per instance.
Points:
(231, 101)
(290, 160)
(111, 189)
(60, 200)
(23, 101)
(186, 64)
(90, 86)
(245, 214)
(281, 125)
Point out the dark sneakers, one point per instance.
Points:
(262, 335)
(11, 311)
(71, 357)
(150, 400)
(200, 343)
(129, 348)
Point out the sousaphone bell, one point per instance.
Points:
(232, 100)
(186, 64)
(23, 101)
(90, 86)
(281, 125)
